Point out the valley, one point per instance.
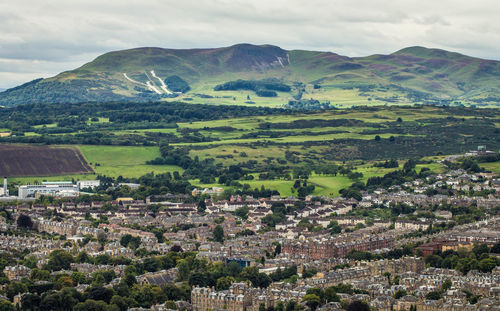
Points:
(268, 148)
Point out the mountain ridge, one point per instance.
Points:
(413, 74)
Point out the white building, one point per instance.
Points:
(48, 188)
(83, 184)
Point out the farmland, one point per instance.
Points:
(18, 160)
(266, 144)
(124, 161)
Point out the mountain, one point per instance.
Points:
(414, 74)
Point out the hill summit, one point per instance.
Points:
(413, 74)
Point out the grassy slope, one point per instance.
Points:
(124, 161)
(344, 80)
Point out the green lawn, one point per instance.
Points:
(126, 161)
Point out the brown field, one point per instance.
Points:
(23, 160)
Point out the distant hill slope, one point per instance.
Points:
(414, 74)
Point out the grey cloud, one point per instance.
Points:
(42, 38)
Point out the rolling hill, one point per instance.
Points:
(414, 74)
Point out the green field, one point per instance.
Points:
(259, 143)
(325, 185)
(126, 161)
(494, 167)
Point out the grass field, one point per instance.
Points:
(494, 167)
(243, 139)
(327, 185)
(124, 161)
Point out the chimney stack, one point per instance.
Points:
(5, 186)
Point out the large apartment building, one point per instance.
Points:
(331, 248)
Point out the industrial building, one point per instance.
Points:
(59, 188)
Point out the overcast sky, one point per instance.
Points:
(43, 38)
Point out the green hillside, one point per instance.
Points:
(414, 74)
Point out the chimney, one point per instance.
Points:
(5, 186)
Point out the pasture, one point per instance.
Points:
(125, 161)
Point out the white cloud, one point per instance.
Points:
(41, 38)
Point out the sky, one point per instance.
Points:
(39, 39)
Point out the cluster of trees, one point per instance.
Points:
(312, 123)
(396, 253)
(74, 117)
(263, 88)
(316, 297)
(303, 188)
(279, 212)
(397, 177)
(130, 241)
(177, 84)
(392, 163)
(464, 261)
(57, 292)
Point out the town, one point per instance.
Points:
(432, 243)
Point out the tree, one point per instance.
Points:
(433, 295)
(24, 221)
(125, 239)
(202, 206)
(99, 293)
(29, 302)
(400, 293)
(277, 249)
(223, 283)
(307, 273)
(102, 238)
(480, 249)
(496, 248)
(312, 301)
(218, 234)
(123, 303)
(176, 249)
(242, 212)
(358, 306)
(6, 306)
(183, 270)
(59, 260)
(78, 278)
(388, 276)
(434, 260)
(233, 269)
(487, 264)
(446, 285)
(465, 265)
(82, 257)
(92, 305)
(334, 227)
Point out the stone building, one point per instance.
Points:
(16, 273)
(336, 247)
